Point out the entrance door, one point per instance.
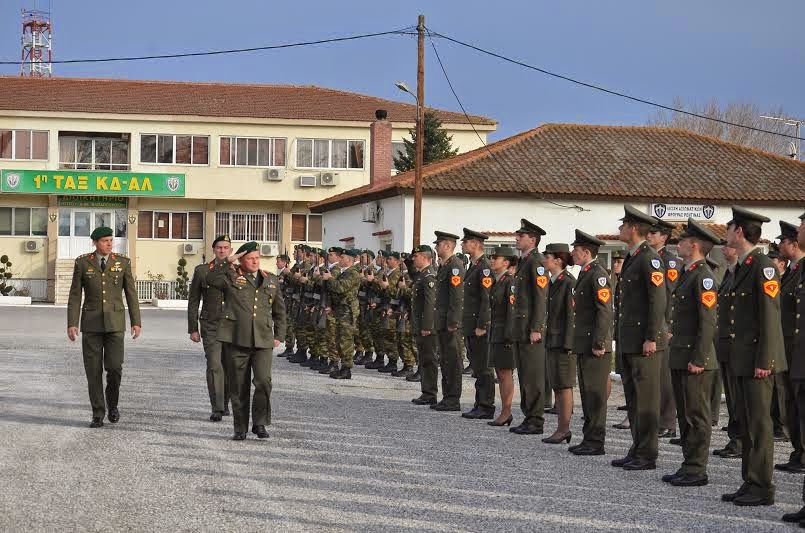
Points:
(77, 223)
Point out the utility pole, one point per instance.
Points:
(420, 128)
(791, 122)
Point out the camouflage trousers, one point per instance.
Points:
(302, 332)
(363, 337)
(406, 348)
(380, 335)
(346, 327)
(290, 335)
(330, 338)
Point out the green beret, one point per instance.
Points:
(422, 248)
(100, 233)
(353, 252)
(248, 247)
(370, 253)
(284, 257)
(335, 250)
(321, 252)
(221, 238)
(395, 255)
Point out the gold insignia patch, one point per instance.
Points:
(604, 295)
(511, 299)
(455, 281)
(486, 282)
(542, 281)
(709, 299)
(657, 278)
(673, 274)
(771, 288)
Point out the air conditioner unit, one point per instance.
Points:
(369, 212)
(329, 179)
(307, 181)
(34, 246)
(190, 248)
(269, 250)
(275, 174)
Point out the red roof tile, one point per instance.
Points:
(92, 95)
(629, 163)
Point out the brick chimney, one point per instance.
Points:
(380, 156)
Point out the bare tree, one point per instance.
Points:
(737, 113)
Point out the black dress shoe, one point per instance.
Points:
(752, 500)
(729, 453)
(621, 408)
(622, 425)
(730, 496)
(689, 481)
(476, 413)
(799, 516)
(226, 411)
(404, 372)
(216, 416)
(724, 428)
(114, 415)
(574, 447)
(239, 436)
(97, 422)
(640, 464)
(445, 408)
(423, 401)
(791, 467)
(527, 429)
(299, 357)
(676, 441)
(260, 431)
(667, 478)
(343, 373)
(416, 377)
(586, 450)
(621, 462)
(666, 433)
(389, 368)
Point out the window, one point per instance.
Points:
(93, 154)
(175, 149)
(329, 153)
(23, 144)
(261, 227)
(252, 152)
(24, 221)
(170, 225)
(306, 228)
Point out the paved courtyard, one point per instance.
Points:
(343, 455)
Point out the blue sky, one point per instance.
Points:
(739, 50)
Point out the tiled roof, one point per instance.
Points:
(629, 163)
(92, 95)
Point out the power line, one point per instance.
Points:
(402, 31)
(489, 150)
(609, 91)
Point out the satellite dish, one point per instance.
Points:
(792, 150)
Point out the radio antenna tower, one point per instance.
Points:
(37, 44)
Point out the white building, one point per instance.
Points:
(567, 176)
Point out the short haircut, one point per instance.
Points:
(642, 228)
(592, 248)
(751, 230)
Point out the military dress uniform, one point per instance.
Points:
(254, 315)
(641, 318)
(728, 378)
(476, 315)
(561, 360)
(788, 308)
(756, 342)
(501, 350)
(593, 318)
(693, 325)
(449, 306)
(423, 318)
(530, 315)
(102, 322)
(212, 301)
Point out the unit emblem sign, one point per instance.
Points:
(682, 211)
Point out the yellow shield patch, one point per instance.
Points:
(542, 281)
(657, 278)
(771, 288)
(486, 282)
(709, 299)
(604, 295)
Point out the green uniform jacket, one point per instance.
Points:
(253, 317)
(423, 302)
(593, 309)
(693, 319)
(213, 299)
(798, 359)
(103, 310)
(673, 271)
(449, 293)
(530, 288)
(559, 334)
(477, 283)
(788, 298)
(723, 310)
(642, 301)
(500, 298)
(756, 330)
(344, 287)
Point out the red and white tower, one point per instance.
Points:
(37, 44)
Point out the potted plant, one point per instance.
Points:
(162, 299)
(6, 288)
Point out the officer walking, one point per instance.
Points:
(530, 317)
(641, 327)
(756, 347)
(252, 326)
(211, 311)
(692, 356)
(102, 277)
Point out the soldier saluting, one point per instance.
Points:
(102, 276)
(211, 311)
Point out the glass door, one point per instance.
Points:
(76, 226)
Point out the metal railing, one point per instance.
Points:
(37, 289)
(148, 289)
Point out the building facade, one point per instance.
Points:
(170, 165)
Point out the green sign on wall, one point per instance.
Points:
(85, 183)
